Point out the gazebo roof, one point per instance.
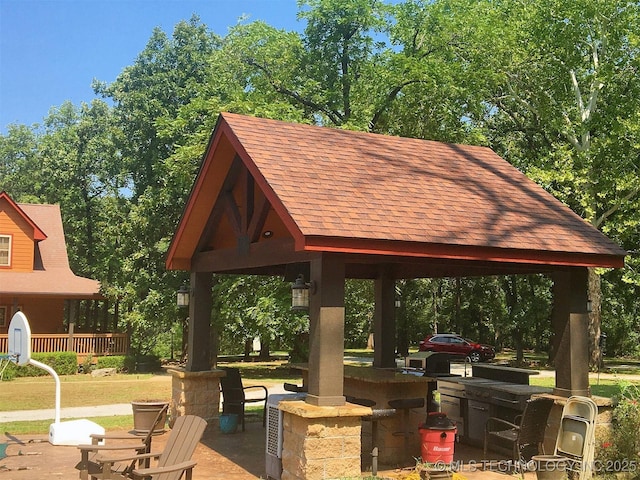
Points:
(271, 193)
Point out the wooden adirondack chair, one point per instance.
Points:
(133, 443)
(172, 462)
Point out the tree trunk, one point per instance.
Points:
(265, 351)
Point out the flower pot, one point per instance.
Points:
(229, 422)
(145, 413)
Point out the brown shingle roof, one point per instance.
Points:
(55, 278)
(355, 192)
(338, 183)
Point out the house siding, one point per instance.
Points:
(22, 243)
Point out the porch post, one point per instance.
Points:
(326, 332)
(570, 321)
(384, 320)
(200, 303)
(73, 314)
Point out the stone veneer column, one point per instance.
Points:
(321, 442)
(195, 393)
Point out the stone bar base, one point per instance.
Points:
(195, 393)
(321, 442)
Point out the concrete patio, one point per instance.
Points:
(238, 456)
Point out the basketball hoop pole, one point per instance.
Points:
(53, 373)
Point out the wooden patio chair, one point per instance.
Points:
(171, 464)
(525, 438)
(233, 394)
(105, 443)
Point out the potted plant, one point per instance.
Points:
(145, 413)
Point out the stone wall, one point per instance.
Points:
(321, 442)
(195, 393)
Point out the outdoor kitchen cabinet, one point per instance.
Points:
(470, 401)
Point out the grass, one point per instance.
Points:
(603, 388)
(113, 423)
(84, 390)
(31, 393)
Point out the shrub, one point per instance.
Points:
(64, 363)
(147, 363)
(112, 361)
(87, 365)
(619, 452)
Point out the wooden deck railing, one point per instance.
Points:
(84, 344)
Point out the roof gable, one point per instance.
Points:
(353, 192)
(38, 234)
(52, 275)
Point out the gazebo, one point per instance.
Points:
(279, 198)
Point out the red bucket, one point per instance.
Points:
(437, 445)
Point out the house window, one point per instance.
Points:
(5, 250)
(3, 316)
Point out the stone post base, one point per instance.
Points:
(321, 442)
(195, 393)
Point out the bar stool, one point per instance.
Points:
(292, 387)
(406, 405)
(376, 415)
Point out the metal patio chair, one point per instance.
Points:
(233, 394)
(525, 438)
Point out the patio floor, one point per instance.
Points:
(238, 456)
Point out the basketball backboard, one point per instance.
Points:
(20, 339)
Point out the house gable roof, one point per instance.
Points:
(52, 275)
(366, 194)
(38, 234)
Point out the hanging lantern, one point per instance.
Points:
(300, 294)
(183, 296)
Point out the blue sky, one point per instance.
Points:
(51, 50)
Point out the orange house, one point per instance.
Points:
(36, 279)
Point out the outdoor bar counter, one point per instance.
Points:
(382, 385)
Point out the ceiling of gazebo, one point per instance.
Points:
(272, 193)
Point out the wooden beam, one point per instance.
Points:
(220, 205)
(261, 254)
(258, 219)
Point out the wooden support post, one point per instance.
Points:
(384, 321)
(200, 303)
(570, 321)
(326, 332)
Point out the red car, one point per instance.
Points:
(456, 345)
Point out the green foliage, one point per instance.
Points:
(551, 86)
(112, 361)
(87, 364)
(64, 363)
(147, 363)
(620, 451)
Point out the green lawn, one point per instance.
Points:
(85, 390)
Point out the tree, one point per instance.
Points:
(19, 163)
(564, 103)
(80, 169)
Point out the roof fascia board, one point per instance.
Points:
(468, 253)
(173, 262)
(38, 234)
